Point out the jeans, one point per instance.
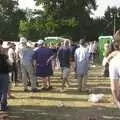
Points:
(13, 74)
(4, 81)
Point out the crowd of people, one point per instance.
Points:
(29, 64)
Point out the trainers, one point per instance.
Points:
(49, 88)
(26, 90)
(4, 107)
(35, 90)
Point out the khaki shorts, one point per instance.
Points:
(65, 72)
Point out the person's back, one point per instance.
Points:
(26, 55)
(42, 55)
(64, 56)
(81, 54)
(73, 48)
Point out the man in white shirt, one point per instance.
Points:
(81, 62)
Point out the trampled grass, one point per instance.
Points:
(69, 105)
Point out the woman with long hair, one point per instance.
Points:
(114, 68)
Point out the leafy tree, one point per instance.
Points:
(112, 19)
(67, 17)
(34, 26)
(10, 16)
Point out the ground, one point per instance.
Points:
(70, 105)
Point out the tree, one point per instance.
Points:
(10, 16)
(68, 17)
(112, 19)
(34, 26)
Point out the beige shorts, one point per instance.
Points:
(65, 72)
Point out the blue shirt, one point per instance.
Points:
(26, 55)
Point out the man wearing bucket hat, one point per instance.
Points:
(25, 54)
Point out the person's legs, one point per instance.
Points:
(80, 79)
(19, 72)
(4, 89)
(0, 98)
(115, 91)
(30, 72)
(85, 74)
(4, 100)
(114, 81)
(49, 83)
(65, 77)
(44, 83)
(67, 71)
(15, 73)
(61, 76)
(24, 77)
(84, 81)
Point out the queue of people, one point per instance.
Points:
(28, 64)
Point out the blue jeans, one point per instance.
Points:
(4, 81)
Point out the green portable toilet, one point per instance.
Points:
(53, 40)
(101, 41)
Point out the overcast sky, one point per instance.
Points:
(102, 5)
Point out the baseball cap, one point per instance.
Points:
(40, 42)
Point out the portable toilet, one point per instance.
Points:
(53, 40)
(101, 41)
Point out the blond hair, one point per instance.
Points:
(117, 36)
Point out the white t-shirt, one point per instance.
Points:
(91, 49)
(11, 55)
(81, 54)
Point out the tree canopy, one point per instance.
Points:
(10, 16)
(66, 18)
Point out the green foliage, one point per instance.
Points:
(33, 29)
(10, 16)
(67, 17)
(112, 19)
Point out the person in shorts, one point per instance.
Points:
(64, 55)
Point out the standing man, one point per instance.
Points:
(81, 62)
(43, 62)
(26, 60)
(64, 55)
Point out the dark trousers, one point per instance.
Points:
(4, 80)
(13, 75)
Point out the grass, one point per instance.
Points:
(70, 105)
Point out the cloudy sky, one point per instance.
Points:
(102, 5)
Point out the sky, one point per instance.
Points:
(102, 5)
